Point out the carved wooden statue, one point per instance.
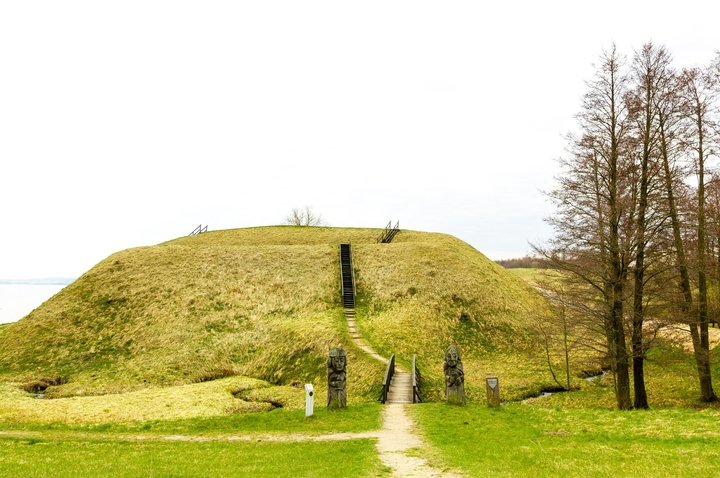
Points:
(337, 361)
(454, 377)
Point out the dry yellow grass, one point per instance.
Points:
(265, 303)
(177, 312)
(157, 403)
(424, 291)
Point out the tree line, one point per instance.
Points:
(637, 210)
(525, 262)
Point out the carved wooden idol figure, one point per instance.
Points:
(336, 364)
(454, 377)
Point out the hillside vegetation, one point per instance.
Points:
(426, 291)
(265, 303)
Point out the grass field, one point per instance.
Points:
(93, 458)
(358, 418)
(237, 445)
(515, 440)
(520, 440)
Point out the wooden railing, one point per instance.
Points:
(199, 230)
(342, 275)
(352, 273)
(389, 232)
(416, 379)
(389, 372)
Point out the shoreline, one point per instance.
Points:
(19, 299)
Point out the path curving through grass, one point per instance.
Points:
(398, 441)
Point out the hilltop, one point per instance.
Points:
(264, 303)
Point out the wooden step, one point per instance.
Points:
(401, 390)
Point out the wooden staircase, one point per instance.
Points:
(401, 388)
(347, 276)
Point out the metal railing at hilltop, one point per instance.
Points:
(199, 230)
(389, 233)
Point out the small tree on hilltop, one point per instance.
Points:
(304, 217)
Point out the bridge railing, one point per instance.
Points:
(416, 380)
(389, 372)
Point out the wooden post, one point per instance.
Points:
(493, 391)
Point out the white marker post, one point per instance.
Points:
(309, 399)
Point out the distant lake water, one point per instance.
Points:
(18, 300)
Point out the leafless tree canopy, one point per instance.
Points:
(637, 219)
(304, 217)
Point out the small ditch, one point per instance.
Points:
(246, 395)
(587, 375)
(548, 391)
(38, 386)
(592, 376)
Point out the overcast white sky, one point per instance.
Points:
(130, 123)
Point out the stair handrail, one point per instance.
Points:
(384, 231)
(416, 378)
(342, 282)
(394, 231)
(389, 233)
(199, 230)
(389, 372)
(352, 270)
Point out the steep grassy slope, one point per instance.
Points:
(423, 292)
(264, 303)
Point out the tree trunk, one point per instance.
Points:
(622, 373)
(567, 349)
(702, 360)
(702, 353)
(638, 352)
(617, 269)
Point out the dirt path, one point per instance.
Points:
(399, 444)
(680, 334)
(104, 436)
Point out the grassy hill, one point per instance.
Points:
(265, 303)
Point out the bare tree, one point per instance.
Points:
(304, 217)
(631, 232)
(699, 95)
(651, 72)
(567, 329)
(594, 211)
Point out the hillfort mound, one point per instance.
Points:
(264, 305)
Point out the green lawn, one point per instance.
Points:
(519, 440)
(352, 419)
(88, 458)
(515, 440)
(142, 448)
